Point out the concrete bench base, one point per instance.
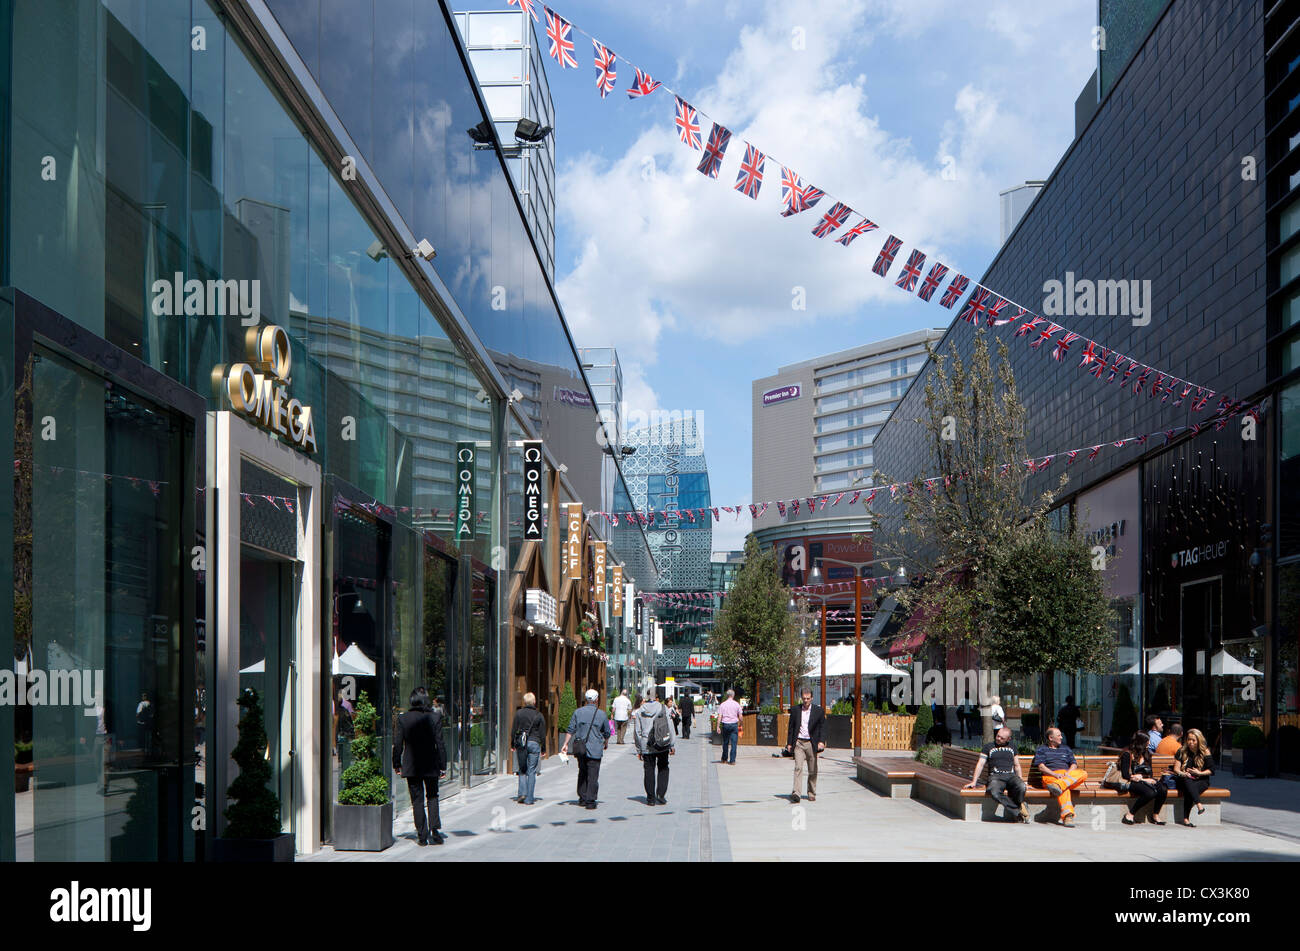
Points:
(1086, 811)
(891, 780)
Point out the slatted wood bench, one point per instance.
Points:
(892, 776)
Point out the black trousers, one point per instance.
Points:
(1191, 789)
(686, 727)
(588, 778)
(655, 788)
(1144, 793)
(424, 789)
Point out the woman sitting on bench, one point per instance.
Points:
(1193, 768)
(1135, 766)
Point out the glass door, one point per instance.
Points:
(481, 676)
(437, 645)
(1202, 632)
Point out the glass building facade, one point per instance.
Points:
(259, 442)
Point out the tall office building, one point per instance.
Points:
(510, 66)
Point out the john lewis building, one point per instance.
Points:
(306, 479)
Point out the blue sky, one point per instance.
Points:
(871, 101)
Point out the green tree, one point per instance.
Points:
(364, 782)
(755, 637)
(255, 813)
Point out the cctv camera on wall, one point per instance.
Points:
(425, 250)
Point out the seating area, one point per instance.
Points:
(903, 777)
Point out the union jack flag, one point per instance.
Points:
(932, 281)
(911, 271)
(854, 500)
(870, 498)
(1183, 395)
(1117, 360)
(976, 304)
(643, 85)
(1045, 335)
(1072, 454)
(795, 195)
(560, 32)
(753, 511)
(1099, 366)
(1029, 326)
(1142, 378)
(954, 291)
(688, 123)
(525, 5)
(886, 257)
(1169, 435)
(719, 139)
(780, 507)
(750, 178)
(1157, 386)
(1089, 354)
(1132, 365)
(994, 316)
(1200, 402)
(861, 228)
(794, 507)
(1063, 345)
(836, 216)
(605, 73)
(1020, 313)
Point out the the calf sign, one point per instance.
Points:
(257, 389)
(464, 491)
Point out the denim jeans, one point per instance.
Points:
(730, 739)
(526, 766)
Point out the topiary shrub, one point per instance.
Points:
(364, 782)
(568, 706)
(924, 720)
(843, 708)
(255, 813)
(1248, 737)
(930, 755)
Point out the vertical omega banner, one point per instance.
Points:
(573, 542)
(533, 464)
(464, 491)
(598, 569)
(617, 608)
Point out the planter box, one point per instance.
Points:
(839, 732)
(363, 828)
(1254, 762)
(279, 849)
(22, 776)
(748, 730)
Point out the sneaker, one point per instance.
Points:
(1067, 821)
(663, 801)
(435, 839)
(591, 805)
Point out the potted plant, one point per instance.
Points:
(477, 748)
(253, 819)
(839, 725)
(568, 706)
(363, 814)
(1249, 740)
(924, 723)
(930, 754)
(23, 766)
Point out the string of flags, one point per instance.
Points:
(670, 518)
(982, 304)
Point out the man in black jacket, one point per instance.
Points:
(806, 740)
(688, 715)
(420, 750)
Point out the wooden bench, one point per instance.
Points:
(892, 776)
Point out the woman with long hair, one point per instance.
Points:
(1136, 767)
(1193, 767)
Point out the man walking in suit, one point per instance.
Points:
(420, 750)
(806, 740)
(590, 727)
(688, 715)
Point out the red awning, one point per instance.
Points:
(911, 637)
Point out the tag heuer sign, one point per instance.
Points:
(781, 394)
(464, 491)
(533, 463)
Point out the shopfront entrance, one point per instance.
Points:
(1202, 634)
(264, 607)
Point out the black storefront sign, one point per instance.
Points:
(533, 463)
(464, 491)
(766, 729)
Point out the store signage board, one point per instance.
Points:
(617, 606)
(533, 466)
(257, 389)
(573, 541)
(465, 491)
(781, 394)
(598, 565)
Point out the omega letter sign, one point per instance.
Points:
(533, 491)
(256, 389)
(464, 490)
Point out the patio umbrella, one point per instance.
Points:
(354, 661)
(839, 663)
(1168, 661)
(258, 668)
(1224, 664)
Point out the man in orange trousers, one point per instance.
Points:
(1061, 773)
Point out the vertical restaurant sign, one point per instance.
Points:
(617, 608)
(465, 491)
(533, 463)
(573, 542)
(638, 614)
(598, 569)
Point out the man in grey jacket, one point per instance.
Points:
(653, 752)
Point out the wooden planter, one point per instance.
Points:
(887, 732)
(749, 729)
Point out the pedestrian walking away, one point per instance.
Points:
(729, 714)
(1006, 784)
(1069, 719)
(588, 730)
(654, 744)
(423, 757)
(622, 711)
(528, 733)
(806, 739)
(688, 716)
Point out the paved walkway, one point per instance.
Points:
(743, 812)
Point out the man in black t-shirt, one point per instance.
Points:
(1006, 784)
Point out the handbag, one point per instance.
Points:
(1114, 778)
(580, 746)
(1078, 723)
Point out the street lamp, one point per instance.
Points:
(816, 579)
(823, 598)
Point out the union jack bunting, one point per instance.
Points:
(871, 497)
(688, 124)
(763, 508)
(893, 491)
(780, 507)
(753, 511)
(795, 195)
(605, 73)
(886, 258)
(1099, 365)
(1089, 354)
(1157, 386)
(1117, 361)
(1063, 345)
(1120, 444)
(994, 316)
(932, 281)
(1183, 395)
(954, 291)
(1072, 454)
(526, 6)
(854, 500)
(1169, 435)
(1202, 400)
(1095, 450)
(750, 178)
(976, 304)
(911, 271)
(832, 219)
(719, 139)
(1029, 326)
(1045, 335)
(812, 504)
(794, 507)
(1142, 378)
(560, 32)
(859, 229)
(716, 516)
(643, 85)
(1132, 365)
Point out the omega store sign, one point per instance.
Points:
(258, 389)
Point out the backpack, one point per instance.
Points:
(661, 737)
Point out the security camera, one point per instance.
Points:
(425, 250)
(481, 395)
(562, 467)
(376, 251)
(516, 396)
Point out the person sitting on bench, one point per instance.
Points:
(1006, 784)
(1193, 768)
(1140, 782)
(1061, 773)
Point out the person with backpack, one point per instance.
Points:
(528, 733)
(588, 730)
(654, 744)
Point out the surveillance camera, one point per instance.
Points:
(425, 250)
(562, 467)
(516, 396)
(376, 251)
(481, 395)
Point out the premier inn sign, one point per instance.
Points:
(258, 389)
